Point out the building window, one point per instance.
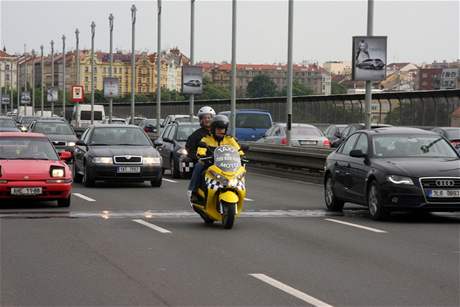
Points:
(86, 69)
(86, 79)
(7, 67)
(424, 75)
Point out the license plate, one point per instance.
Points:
(444, 193)
(308, 142)
(128, 169)
(26, 191)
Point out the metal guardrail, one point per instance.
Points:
(288, 156)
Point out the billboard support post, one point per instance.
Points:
(77, 71)
(368, 99)
(111, 64)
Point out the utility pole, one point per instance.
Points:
(111, 64)
(63, 76)
(192, 52)
(33, 82)
(25, 80)
(42, 97)
(77, 71)
(52, 76)
(370, 28)
(159, 67)
(289, 79)
(233, 80)
(133, 62)
(93, 32)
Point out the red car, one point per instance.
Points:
(30, 168)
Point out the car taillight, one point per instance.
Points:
(327, 143)
(284, 141)
(455, 143)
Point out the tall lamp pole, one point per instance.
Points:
(42, 97)
(52, 76)
(111, 64)
(33, 82)
(77, 70)
(233, 75)
(93, 32)
(192, 52)
(370, 28)
(289, 79)
(159, 67)
(133, 61)
(63, 76)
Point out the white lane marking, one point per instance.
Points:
(170, 180)
(84, 197)
(248, 199)
(357, 226)
(289, 290)
(151, 226)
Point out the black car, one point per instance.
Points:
(371, 64)
(59, 132)
(193, 83)
(116, 153)
(149, 125)
(394, 169)
(7, 124)
(450, 133)
(349, 130)
(171, 145)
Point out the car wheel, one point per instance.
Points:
(374, 201)
(87, 180)
(156, 183)
(76, 176)
(332, 202)
(175, 173)
(64, 203)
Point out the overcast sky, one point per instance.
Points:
(418, 31)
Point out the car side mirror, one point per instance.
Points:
(158, 143)
(357, 153)
(65, 155)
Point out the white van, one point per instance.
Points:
(83, 116)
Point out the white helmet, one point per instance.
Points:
(206, 110)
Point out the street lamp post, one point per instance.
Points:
(63, 76)
(159, 66)
(77, 71)
(289, 77)
(368, 98)
(133, 61)
(25, 81)
(52, 76)
(42, 98)
(18, 90)
(33, 82)
(192, 51)
(93, 32)
(233, 81)
(111, 64)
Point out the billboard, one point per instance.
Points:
(78, 93)
(111, 87)
(192, 80)
(369, 61)
(52, 95)
(25, 98)
(5, 100)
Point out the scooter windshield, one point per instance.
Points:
(227, 158)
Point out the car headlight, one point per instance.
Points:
(152, 160)
(103, 160)
(71, 144)
(182, 151)
(400, 180)
(57, 172)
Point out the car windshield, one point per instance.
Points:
(184, 132)
(306, 131)
(227, 158)
(400, 146)
(453, 134)
(128, 136)
(185, 119)
(253, 120)
(86, 115)
(7, 123)
(22, 148)
(58, 128)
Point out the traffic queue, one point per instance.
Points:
(385, 168)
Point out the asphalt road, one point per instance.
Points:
(137, 245)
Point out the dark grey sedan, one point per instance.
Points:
(116, 153)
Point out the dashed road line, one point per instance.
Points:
(290, 290)
(170, 180)
(151, 226)
(357, 226)
(249, 199)
(84, 197)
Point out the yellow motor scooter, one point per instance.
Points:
(221, 197)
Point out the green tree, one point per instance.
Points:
(261, 86)
(298, 89)
(213, 91)
(337, 89)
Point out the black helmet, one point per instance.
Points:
(219, 121)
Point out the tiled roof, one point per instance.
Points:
(261, 67)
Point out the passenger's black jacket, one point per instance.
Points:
(193, 140)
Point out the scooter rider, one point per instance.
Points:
(205, 115)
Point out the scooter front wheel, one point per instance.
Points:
(228, 218)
